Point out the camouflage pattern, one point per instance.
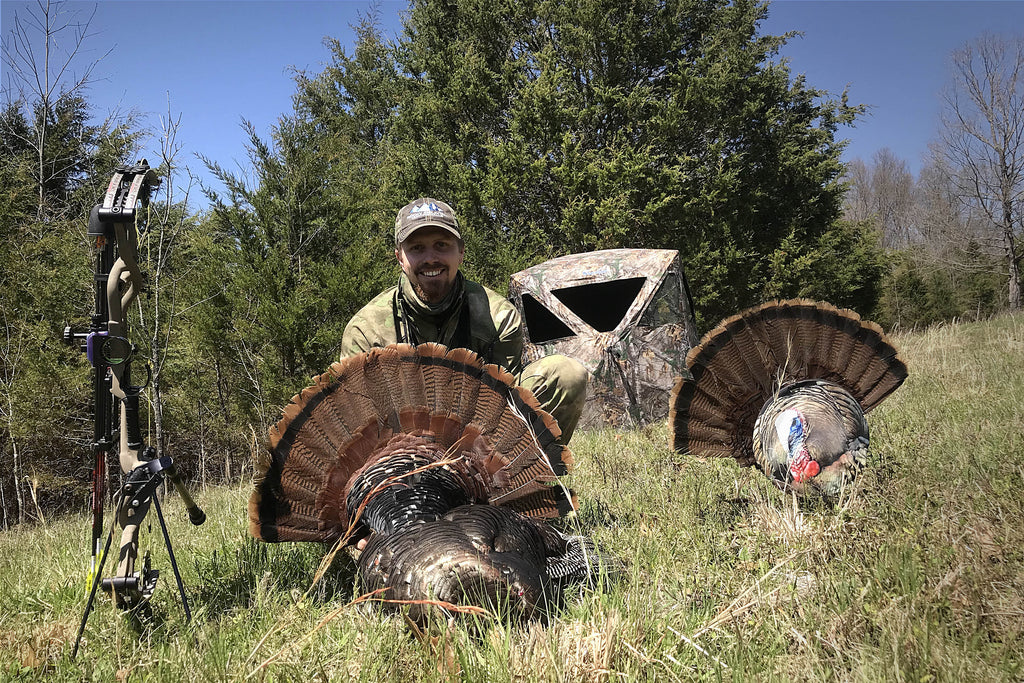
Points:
(633, 366)
(495, 327)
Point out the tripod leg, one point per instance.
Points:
(174, 563)
(97, 579)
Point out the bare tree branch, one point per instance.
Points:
(982, 141)
(40, 64)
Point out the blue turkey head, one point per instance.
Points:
(812, 437)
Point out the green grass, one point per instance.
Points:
(918, 575)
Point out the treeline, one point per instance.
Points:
(954, 233)
(552, 126)
(946, 259)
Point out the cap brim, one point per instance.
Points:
(403, 234)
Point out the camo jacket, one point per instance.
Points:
(495, 327)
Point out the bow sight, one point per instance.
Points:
(118, 281)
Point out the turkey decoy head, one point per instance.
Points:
(812, 438)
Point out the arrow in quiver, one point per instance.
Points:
(786, 386)
(444, 465)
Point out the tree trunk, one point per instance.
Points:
(223, 400)
(15, 460)
(1015, 282)
(202, 436)
(19, 497)
(158, 417)
(3, 505)
(1013, 258)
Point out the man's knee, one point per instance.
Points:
(556, 373)
(560, 385)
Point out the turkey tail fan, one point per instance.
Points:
(470, 418)
(747, 358)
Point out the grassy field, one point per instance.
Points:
(917, 576)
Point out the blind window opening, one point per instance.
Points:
(602, 305)
(542, 325)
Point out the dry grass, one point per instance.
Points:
(916, 575)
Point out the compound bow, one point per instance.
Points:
(117, 283)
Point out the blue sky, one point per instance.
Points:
(217, 62)
(894, 55)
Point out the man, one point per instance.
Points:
(433, 302)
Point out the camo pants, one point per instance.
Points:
(560, 385)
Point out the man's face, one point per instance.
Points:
(431, 258)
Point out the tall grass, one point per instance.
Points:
(917, 575)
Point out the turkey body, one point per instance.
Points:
(485, 555)
(786, 386)
(442, 465)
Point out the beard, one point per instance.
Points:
(431, 290)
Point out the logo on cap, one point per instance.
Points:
(419, 210)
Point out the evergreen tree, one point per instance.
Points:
(558, 127)
(299, 258)
(45, 282)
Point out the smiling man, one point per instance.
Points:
(433, 302)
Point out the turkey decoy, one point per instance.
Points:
(786, 386)
(442, 465)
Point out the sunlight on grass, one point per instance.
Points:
(916, 574)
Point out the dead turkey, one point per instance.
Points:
(786, 386)
(442, 464)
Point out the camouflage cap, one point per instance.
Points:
(424, 212)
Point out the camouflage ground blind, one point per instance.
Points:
(626, 314)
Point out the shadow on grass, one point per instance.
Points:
(593, 512)
(722, 510)
(233, 577)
